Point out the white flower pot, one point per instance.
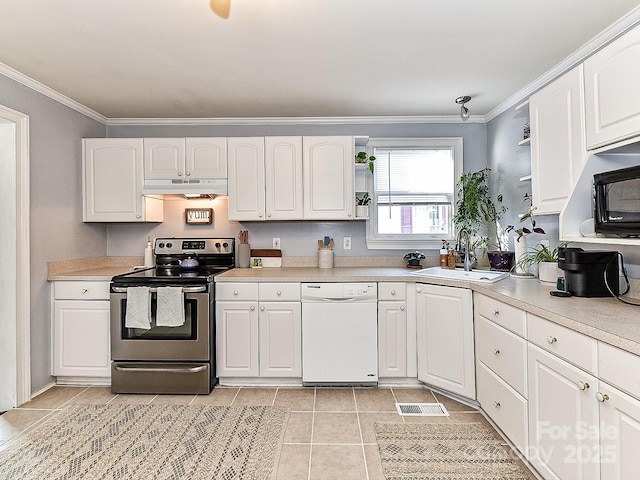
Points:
(548, 273)
(521, 249)
(362, 211)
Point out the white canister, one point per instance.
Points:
(325, 258)
(244, 255)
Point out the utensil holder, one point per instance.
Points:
(325, 258)
(244, 255)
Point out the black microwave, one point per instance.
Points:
(617, 202)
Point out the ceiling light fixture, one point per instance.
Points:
(221, 7)
(464, 111)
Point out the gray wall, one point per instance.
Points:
(57, 231)
(297, 238)
(509, 162)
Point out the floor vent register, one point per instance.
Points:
(422, 409)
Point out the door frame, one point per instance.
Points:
(18, 258)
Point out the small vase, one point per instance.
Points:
(521, 250)
(362, 211)
(501, 261)
(244, 255)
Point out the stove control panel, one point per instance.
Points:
(181, 246)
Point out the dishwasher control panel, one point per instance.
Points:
(359, 291)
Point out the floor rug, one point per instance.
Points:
(411, 451)
(149, 442)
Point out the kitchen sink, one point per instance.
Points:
(485, 276)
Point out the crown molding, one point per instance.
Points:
(605, 37)
(13, 74)
(356, 120)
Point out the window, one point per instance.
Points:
(413, 191)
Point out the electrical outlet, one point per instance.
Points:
(276, 243)
(346, 243)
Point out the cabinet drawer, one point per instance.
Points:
(237, 291)
(81, 290)
(563, 342)
(504, 406)
(619, 368)
(503, 352)
(392, 291)
(509, 317)
(279, 292)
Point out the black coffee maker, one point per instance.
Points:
(588, 272)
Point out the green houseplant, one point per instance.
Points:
(546, 259)
(361, 157)
(413, 259)
(477, 212)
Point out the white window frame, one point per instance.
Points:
(427, 241)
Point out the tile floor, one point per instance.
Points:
(329, 435)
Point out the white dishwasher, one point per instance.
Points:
(339, 333)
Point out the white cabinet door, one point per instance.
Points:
(280, 339)
(81, 338)
(328, 170)
(206, 157)
(612, 96)
(392, 339)
(236, 339)
(563, 418)
(445, 338)
(283, 178)
(113, 179)
(164, 158)
(619, 434)
(557, 141)
(246, 178)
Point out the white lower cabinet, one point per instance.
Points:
(445, 338)
(257, 336)
(81, 336)
(563, 418)
(392, 329)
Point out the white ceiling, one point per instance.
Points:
(294, 58)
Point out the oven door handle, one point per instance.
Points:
(201, 288)
(185, 369)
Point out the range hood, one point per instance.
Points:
(206, 186)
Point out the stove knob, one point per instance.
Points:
(225, 245)
(161, 245)
(169, 245)
(217, 244)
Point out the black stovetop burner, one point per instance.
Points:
(214, 256)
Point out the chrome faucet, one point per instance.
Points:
(469, 260)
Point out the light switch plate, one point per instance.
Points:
(346, 243)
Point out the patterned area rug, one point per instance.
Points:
(149, 442)
(443, 452)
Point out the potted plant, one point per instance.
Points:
(362, 205)
(476, 211)
(361, 157)
(520, 242)
(547, 261)
(413, 259)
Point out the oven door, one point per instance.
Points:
(189, 342)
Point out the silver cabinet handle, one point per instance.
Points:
(262, 308)
(393, 292)
(602, 397)
(496, 312)
(583, 385)
(496, 351)
(278, 292)
(235, 292)
(402, 308)
(496, 404)
(252, 308)
(188, 174)
(83, 291)
(551, 339)
(179, 174)
(418, 289)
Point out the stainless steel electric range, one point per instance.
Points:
(163, 339)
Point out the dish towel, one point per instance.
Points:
(170, 307)
(138, 308)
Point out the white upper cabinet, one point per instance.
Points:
(113, 179)
(557, 141)
(246, 178)
(283, 178)
(328, 169)
(179, 158)
(612, 96)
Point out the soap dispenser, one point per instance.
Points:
(148, 254)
